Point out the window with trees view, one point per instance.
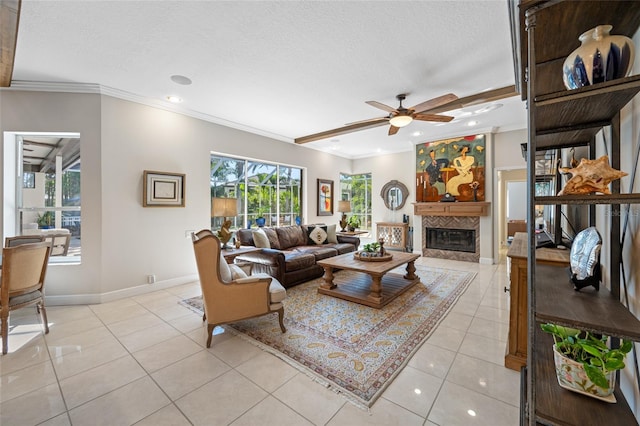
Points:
(357, 189)
(48, 192)
(264, 190)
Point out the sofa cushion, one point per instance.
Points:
(343, 248)
(295, 260)
(260, 239)
(273, 238)
(225, 272)
(332, 238)
(245, 236)
(291, 236)
(317, 235)
(318, 252)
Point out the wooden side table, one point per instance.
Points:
(394, 234)
(516, 356)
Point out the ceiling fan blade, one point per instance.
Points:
(371, 120)
(393, 130)
(381, 106)
(368, 124)
(433, 117)
(435, 102)
(478, 98)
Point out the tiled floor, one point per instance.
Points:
(143, 361)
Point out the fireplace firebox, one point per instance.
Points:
(463, 240)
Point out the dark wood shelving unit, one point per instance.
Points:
(545, 33)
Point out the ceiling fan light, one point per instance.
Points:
(401, 120)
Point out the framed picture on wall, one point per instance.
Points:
(162, 189)
(325, 197)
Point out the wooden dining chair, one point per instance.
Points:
(22, 283)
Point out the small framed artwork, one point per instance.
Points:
(325, 197)
(162, 189)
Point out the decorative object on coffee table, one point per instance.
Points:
(601, 57)
(590, 176)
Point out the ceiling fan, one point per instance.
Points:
(424, 111)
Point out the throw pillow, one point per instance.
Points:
(317, 235)
(271, 234)
(225, 272)
(331, 234)
(237, 272)
(260, 239)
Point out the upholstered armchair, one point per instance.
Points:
(22, 283)
(229, 295)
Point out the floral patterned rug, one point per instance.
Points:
(350, 348)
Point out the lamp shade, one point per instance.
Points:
(401, 120)
(344, 206)
(224, 207)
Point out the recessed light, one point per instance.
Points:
(181, 79)
(416, 133)
(471, 413)
(472, 123)
(174, 99)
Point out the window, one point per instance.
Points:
(264, 190)
(48, 191)
(357, 189)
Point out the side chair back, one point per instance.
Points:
(24, 268)
(233, 299)
(23, 239)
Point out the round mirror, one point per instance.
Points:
(394, 194)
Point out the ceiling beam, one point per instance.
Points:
(9, 18)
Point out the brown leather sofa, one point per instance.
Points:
(292, 257)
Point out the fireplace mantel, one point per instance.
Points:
(455, 208)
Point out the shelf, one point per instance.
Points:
(595, 311)
(589, 107)
(558, 406)
(557, 30)
(588, 199)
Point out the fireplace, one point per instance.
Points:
(451, 239)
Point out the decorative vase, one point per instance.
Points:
(601, 57)
(261, 221)
(571, 376)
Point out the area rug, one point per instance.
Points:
(350, 348)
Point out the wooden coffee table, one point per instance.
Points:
(374, 286)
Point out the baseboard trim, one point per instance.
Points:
(486, 261)
(92, 299)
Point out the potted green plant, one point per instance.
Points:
(584, 362)
(45, 220)
(353, 223)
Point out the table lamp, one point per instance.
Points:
(224, 207)
(344, 207)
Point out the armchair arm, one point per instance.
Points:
(268, 261)
(349, 240)
(249, 280)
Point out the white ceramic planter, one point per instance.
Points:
(571, 376)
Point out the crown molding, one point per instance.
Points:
(91, 88)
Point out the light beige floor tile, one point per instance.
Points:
(32, 353)
(131, 325)
(414, 390)
(491, 329)
(234, 351)
(457, 321)
(60, 420)
(199, 335)
(184, 376)
(148, 337)
(267, 371)
(88, 358)
(187, 323)
(121, 313)
(26, 380)
(173, 312)
(484, 348)
(465, 307)
(98, 381)
(383, 413)
(486, 378)
(271, 412)
(60, 314)
(493, 314)
(132, 403)
(166, 301)
(23, 335)
(433, 360)
(162, 354)
(186, 291)
(167, 416)
(64, 345)
(33, 407)
(312, 400)
(115, 305)
(447, 338)
(150, 298)
(70, 328)
(458, 406)
(222, 400)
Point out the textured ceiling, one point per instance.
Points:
(282, 69)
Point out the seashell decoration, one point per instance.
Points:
(590, 176)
